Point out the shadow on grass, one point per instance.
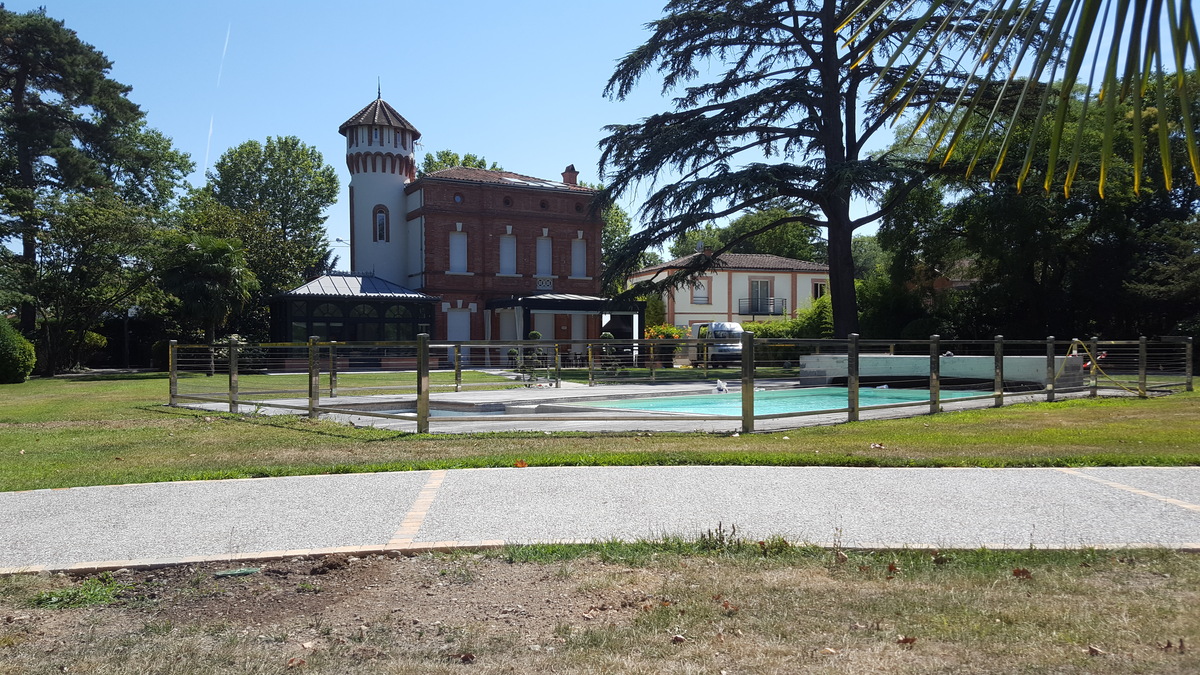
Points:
(111, 377)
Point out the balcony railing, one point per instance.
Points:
(769, 306)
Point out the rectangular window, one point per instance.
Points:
(458, 252)
(545, 249)
(701, 291)
(820, 288)
(579, 257)
(508, 254)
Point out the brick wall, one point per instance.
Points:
(486, 211)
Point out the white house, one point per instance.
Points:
(740, 287)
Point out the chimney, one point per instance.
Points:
(570, 175)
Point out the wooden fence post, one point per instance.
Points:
(173, 371)
(935, 374)
(998, 375)
(314, 377)
(748, 382)
(1050, 369)
(423, 383)
(233, 375)
(852, 378)
(1142, 359)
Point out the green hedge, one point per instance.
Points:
(16, 354)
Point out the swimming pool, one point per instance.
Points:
(775, 402)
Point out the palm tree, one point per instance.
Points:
(1117, 50)
(210, 278)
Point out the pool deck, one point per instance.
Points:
(520, 405)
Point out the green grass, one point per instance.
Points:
(66, 432)
(139, 396)
(97, 590)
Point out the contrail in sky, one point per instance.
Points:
(208, 144)
(220, 70)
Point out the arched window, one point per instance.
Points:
(363, 312)
(382, 221)
(397, 324)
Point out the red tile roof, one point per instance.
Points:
(463, 173)
(743, 261)
(379, 113)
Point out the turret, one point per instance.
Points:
(380, 157)
(380, 140)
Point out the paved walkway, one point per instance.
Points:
(160, 523)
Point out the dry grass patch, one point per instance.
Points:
(630, 609)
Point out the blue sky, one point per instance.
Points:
(518, 82)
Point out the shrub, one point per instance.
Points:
(16, 354)
(665, 331)
(91, 344)
(160, 355)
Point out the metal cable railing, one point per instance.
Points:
(394, 380)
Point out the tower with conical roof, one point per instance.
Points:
(379, 154)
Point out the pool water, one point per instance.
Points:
(774, 402)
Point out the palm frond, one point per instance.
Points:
(1116, 51)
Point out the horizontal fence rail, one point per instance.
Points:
(394, 380)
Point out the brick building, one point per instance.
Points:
(485, 255)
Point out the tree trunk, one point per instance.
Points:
(841, 279)
(23, 203)
(838, 152)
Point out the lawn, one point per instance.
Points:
(64, 432)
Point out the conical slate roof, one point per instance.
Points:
(379, 113)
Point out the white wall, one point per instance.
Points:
(386, 259)
(730, 287)
(1016, 368)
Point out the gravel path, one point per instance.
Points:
(160, 523)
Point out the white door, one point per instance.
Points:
(544, 324)
(508, 324)
(578, 332)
